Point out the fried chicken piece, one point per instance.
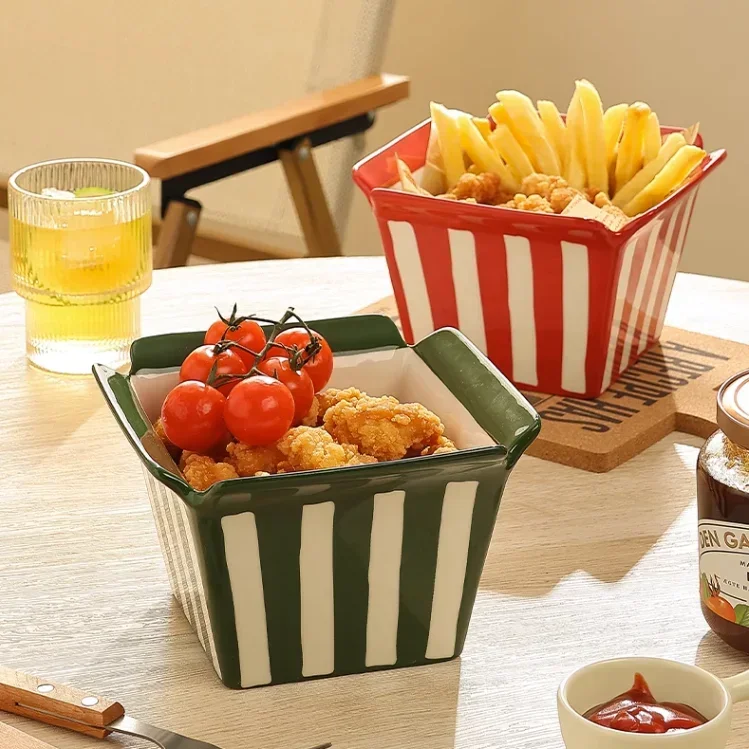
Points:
(172, 449)
(248, 461)
(483, 188)
(331, 396)
(542, 184)
(555, 189)
(313, 415)
(356, 458)
(202, 472)
(383, 427)
(561, 197)
(310, 448)
(443, 445)
(534, 203)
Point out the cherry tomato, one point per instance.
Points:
(721, 607)
(259, 410)
(299, 384)
(320, 367)
(198, 365)
(193, 416)
(248, 334)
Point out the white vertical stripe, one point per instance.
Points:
(316, 578)
(245, 577)
(384, 579)
(452, 557)
(467, 289)
(575, 299)
(674, 264)
(621, 294)
(522, 315)
(406, 251)
(659, 271)
(634, 313)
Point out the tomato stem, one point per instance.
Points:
(297, 358)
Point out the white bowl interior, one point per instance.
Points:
(398, 372)
(669, 681)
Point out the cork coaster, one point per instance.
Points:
(671, 387)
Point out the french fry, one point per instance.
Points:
(613, 119)
(481, 154)
(629, 153)
(575, 174)
(524, 116)
(556, 131)
(672, 144)
(594, 141)
(667, 180)
(448, 136)
(651, 143)
(499, 114)
(482, 123)
(506, 145)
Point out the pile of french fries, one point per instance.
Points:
(618, 151)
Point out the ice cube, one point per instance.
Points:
(53, 192)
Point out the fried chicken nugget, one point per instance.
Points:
(331, 396)
(483, 188)
(383, 427)
(248, 461)
(542, 184)
(202, 472)
(310, 448)
(313, 415)
(554, 189)
(534, 203)
(172, 449)
(443, 445)
(561, 197)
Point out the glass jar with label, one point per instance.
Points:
(723, 504)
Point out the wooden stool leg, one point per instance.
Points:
(177, 234)
(309, 200)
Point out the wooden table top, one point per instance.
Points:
(583, 566)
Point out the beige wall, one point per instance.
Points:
(102, 78)
(688, 59)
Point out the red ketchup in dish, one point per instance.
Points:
(637, 711)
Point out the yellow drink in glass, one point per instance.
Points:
(80, 233)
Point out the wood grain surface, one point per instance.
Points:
(583, 566)
(12, 738)
(211, 145)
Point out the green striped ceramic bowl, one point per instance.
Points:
(341, 571)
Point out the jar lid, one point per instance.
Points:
(733, 409)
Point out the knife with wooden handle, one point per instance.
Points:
(12, 737)
(83, 712)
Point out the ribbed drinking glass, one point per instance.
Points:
(80, 242)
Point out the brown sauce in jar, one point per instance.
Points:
(723, 508)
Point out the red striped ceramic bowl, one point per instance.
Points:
(560, 304)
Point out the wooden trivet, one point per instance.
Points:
(672, 387)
